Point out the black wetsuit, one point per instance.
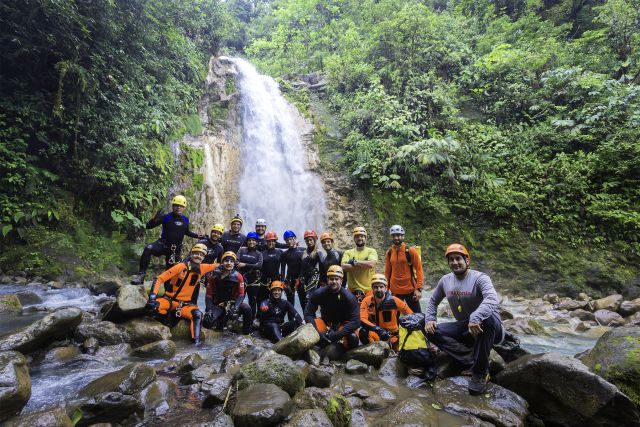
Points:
(174, 228)
(214, 251)
(251, 272)
(290, 266)
(339, 308)
(262, 245)
(232, 242)
(220, 291)
(271, 315)
(309, 274)
(270, 271)
(333, 257)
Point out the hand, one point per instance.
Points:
(332, 336)
(324, 341)
(202, 236)
(352, 261)
(233, 311)
(151, 304)
(474, 329)
(241, 265)
(383, 334)
(417, 294)
(430, 327)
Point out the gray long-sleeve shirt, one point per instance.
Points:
(475, 295)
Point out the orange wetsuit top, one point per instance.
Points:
(179, 273)
(401, 279)
(384, 315)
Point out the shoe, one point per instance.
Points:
(478, 384)
(416, 371)
(138, 279)
(197, 342)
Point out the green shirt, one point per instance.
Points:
(359, 279)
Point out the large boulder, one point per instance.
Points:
(523, 326)
(616, 358)
(111, 407)
(10, 303)
(130, 302)
(144, 331)
(627, 308)
(608, 318)
(158, 397)
(261, 405)
(336, 406)
(108, 287)
(245, 351)
(164, 349)
(499, 406)
(612, 302)
(320, 376)
(43, 332)
(372, 354)
(562, 391)
(298, 342)
(29, 298)
(273, 369)
(392, 371)
(583, 315)
(129, 380)
(15, 383)
(50, 417)
(106, 333)
(310, 417)
(216, 389)
(570, 305)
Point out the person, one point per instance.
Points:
(233, 239)
(249, 265)
(175, 226)
(214, 247)
(261, 228)
(291, 265)
(379, 313)
(331, 256)
(403, 270)
(475, 305)
(359, 263)
(225, 293)
(181, 281)
(339, 311)
(270, 265)
(310, 269)
(271, 315)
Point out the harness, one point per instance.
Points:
(194, 280)
(311, 284)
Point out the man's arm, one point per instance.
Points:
(165, 276)
(364, 314)
(416, 265)
(354, 320)
(156, 220)
(490, 301)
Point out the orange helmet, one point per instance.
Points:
(457, 248)
(310, 233)
(229, 254)
(325, 236)
(271, 235)
(276, 284)
(335, 270)
(379, 278)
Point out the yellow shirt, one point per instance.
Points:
(360, 279)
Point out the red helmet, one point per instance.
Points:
(271, 235)
(324, 236)
(310, 233)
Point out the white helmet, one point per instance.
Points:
(396, 229)
(261, 221)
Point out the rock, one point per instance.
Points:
(117, 351)
(15, 383)
(144, 331)
(497, 405)
(28, 298)
(355, 367)
(582, 315)
(109, 407)
(130, 302)
(358, 419)
(496, 363)
(107, 333)
(310, 417)
(583, 297)
(312, 357)
(298, 342)
(90, 345)
(129, 380)
(158, 397)
(107, 287)
(189, 363)
(320, 376)
(561, 390)
(371, 354)
(221, 420)
(164, 349)
(633, 320)
(273, 369)
(392, 371)
(524, 327)
(44, 331)
(332, 352)
(19, 280)
(628, 308)
(570, 305)
(444, 310)
(216, 388)
(336, 406)
(243, 352)
(631, 289)
(375, 403)
(608, 318)
(551, 298)
(261, 405)
(616, 358)
(52, 417)
(505, 314)
(62, 354)
(355, 402)
(612, 303)
(198, 375)
(10, 303)
(582, 327)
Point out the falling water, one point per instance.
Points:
(276, 183)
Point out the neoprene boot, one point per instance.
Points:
(138, 279)
(197, 323)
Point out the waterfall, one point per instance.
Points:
(275, 183)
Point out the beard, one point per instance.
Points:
(379, 295)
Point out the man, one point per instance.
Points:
(339, 311)
(214, 247)
(403, 269)
(181, 282)
(359, 264)
(261, 228)
(233, 239)
(379, 314)
(475, 305)
(250, 264)
(270, 265)
(291, 265)
(310, 270)
(332, 256)
(225, 293)
(271, 315)
(174, 227)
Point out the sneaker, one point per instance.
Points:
(416, 372)
(138, 279)
(478, 384)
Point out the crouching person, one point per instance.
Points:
(271, 314)
(225, 293)
(339, 311)
(182, 280)
(379, 313)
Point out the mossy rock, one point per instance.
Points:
(336, 406)
(10, 304)
(273, 369)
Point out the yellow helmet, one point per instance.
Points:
(379, 278)
(229, 254)
(179, 200)
(218, 227)
(335, 270)
(236, 218)
(200, 247)
(359, 230)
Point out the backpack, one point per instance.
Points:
(413, 348)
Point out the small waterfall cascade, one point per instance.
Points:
(275, 182)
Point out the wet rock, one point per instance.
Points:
(43, 332)
(129, 380)
(62, 354)
(336, 406)
(582, 327)
(332, 352)
(372, 354)
(107, 287)
(312, 357)
(612, 303)
(358, 419)
(29, 298)
(386, 394)
(570, 305)
(157, 398)
(198, 375)
(505, 314)
(273, 369)
(220, 420)
(628, 308)
(583, 297)
(261, 405)
(615, 357)
(130, 302)
(608, 318)
(392, 371)
(355, 402)
(497, 405)
(524, 327)
(310, 417)
(10, 303)
(355, 367)
(298, 342)
(544, 380)
(164, 349)
(245, 351)
(107, 333)
(633, 320)
(144, 331)
(216, 388)
(90, 345)
(583, 315)
(109, 407)
(15, 383)
(551, 298)
(496, 363)
(52, 417)
(375, 403)
(117, 351)
(189, 363)
(319, 376)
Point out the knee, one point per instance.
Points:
(197, 314)
(351, 341)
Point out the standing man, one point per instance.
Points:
(332, 256)
(359, 263)
(261, 229)
(174, 227)
(403, 270)
(270, 266)
(232, 240)
(475, 305)
(214, 248)
(291, 265)
(310, 272)
(249, 265)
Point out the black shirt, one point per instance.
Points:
(271, 265)
(253, 259)
(335, 308)
(214, 251)
(232, 242)
(291, 264)
(174, 227)
(333, 257)
(273, 311)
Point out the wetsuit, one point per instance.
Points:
(332, 257)
(290, 266)
(270, 271)
(271, 315)
(174, 228)
(214, 251)
(381, 319)
(232, 241)
(339, 315)
(251, 273)
(309, 274)
(262, 245)
(224, 299)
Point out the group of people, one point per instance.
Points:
(355, 304)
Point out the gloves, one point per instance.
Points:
(208, 315)
(383, 334)
(333, 336)
(151, 304)
(351, 261)
(232, 311)
(324, 341)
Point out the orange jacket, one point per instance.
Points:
(175, 275)
(384, 315)
(398, 273)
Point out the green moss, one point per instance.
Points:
(198, 181)
(598, 367)
(339, 411)
(193, 124)
(230, 86)
(195, 156)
